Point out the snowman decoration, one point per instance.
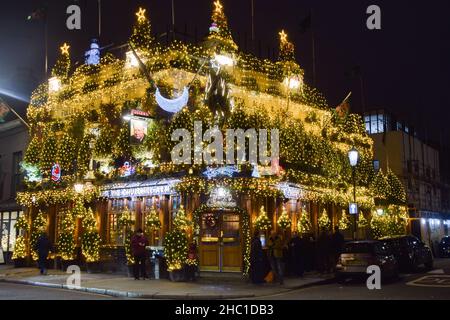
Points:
(92, 56)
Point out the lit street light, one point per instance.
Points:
(353, 157)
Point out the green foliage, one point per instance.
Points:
(392, 222)
(175, 249)
(90, 242)
(67, 153)
(324, 221)
(66, 239)
(48, 153)
(33, 151)
(304, 225)
(182, 221)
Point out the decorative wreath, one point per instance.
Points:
(210, 220)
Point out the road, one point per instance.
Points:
(10, 291)
(434, 285)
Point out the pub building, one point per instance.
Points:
(116, 162)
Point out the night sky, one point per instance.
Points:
(405, 66)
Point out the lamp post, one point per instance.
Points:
(353, 157)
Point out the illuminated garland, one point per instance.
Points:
(126, 222)
(392, 222)
(175, 249)
(20, 248)
(362, 221)
(57, 196)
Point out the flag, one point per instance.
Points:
(305, 24)
(4, 110)
(343, 109)
(38, 14)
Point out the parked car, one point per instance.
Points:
(358, 255)
(410, 252)
(444, 247)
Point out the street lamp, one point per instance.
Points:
(353, 157)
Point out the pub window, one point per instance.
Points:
(8, 232)
(16, 174)
(117, 206)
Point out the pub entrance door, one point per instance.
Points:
(220, 247)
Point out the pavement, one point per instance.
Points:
(209, 286)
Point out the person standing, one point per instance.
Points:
(138, 244)
(275, 245)
(323, 252)
(337, 241)
(296, 253)
(256, 260)
(191, 266)
(43, 246)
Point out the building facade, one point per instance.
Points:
(397, 146)
(13, 143)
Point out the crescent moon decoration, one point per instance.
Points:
(172, 105)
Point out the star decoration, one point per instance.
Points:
(65, 49)
(141, 14)
(283, 36)
(218, 5)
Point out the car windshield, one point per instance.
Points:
(359, 248)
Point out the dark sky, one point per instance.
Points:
(406, 65)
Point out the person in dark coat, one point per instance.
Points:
(256, 260)
(138, 244)
(337, 241)
(296, 256)
(324, 251)
(43, 246)
(191, 268)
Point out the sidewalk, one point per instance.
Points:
(208, 286)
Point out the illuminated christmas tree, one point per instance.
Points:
(33, 151)
(304, 225)
(284, 221)
(152, 221)
(219, 32)
(62, 66)
(362, 221)
(79, 211)
(126, 222)
(175, 249)
(48, 153)
(262, 222)
(182, 221)
(324, 220)
(84, 156)
(20, 248)
(67, 152)
(344, 222)
(90, 242)
(141, 38)
(395, 192)
(66, 240)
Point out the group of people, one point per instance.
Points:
(300, 254)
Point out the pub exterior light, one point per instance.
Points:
(353, 157)
(54, 84)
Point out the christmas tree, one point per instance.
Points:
(126, 222)
(90, 242)
(79, 211)
(67, 152)
(84, 156)
(66, 240)
(62, 66)
(20, 248)
(262, 222)
(33, 152)
(324, 220)
(175, 249)
(48, 153)
(344, 222)
(38, 227)
(304, 225)
(141, 38)
(287, 49)
(181, 221)
(152, 221)
(284, 221)
(219, 32)
(380, 187)
(395, 191)
(362, 221)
